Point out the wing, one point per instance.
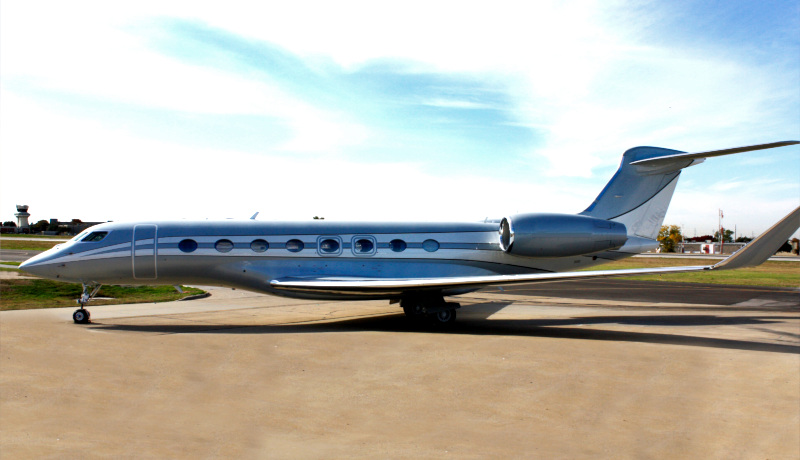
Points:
(755, 253)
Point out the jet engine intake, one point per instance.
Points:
(559, 235)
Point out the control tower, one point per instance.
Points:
(22, 216)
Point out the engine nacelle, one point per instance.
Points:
(559, 235)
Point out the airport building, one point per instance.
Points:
(53, 227)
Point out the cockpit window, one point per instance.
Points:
(95, 237)
(79, 236)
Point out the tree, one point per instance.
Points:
(744, 239)
(669, 237)
(40, 226)
(728, 236)
(9, 224)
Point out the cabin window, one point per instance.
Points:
(187, 245)
(430, 245)
(294, 245)
(259, 246)
(329, 246)
(94, 237)
(398, 245)
(363, 245)
(224, 245)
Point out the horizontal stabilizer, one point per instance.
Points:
(670, 159)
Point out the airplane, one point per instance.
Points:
(415, 264)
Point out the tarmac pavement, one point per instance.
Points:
(521, 374)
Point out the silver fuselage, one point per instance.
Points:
(234, 254)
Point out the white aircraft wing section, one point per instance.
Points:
(398, 286)
(758, 251)
(761, 248)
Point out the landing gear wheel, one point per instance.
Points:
(413, 308)
(430, 310)
(445, 317)
(81, 316)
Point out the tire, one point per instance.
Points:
(413, 308)
(80, 316)
(445, 317)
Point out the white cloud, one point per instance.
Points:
(100, 57)
(84, 169)
(588, 79)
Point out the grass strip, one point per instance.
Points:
(25, 245)
(770, 273)
(24, 294)
(38, 237)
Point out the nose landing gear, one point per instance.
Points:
(81, 315)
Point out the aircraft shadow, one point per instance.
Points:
(476, 323)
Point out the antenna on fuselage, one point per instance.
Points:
(253, 217)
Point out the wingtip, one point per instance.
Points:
(762, 248)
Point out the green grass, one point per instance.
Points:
(25, 245)
(16, 264)
(44, 237)
(773, 274)
(21, 294)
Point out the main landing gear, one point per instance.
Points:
(433, 309)
(81, 315)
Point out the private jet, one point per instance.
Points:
(414, 264)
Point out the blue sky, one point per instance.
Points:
(364, 111)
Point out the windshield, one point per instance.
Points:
(79, 236)
(95, 237)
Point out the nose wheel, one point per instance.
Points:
(81, 315)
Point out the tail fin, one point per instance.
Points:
(639, 193)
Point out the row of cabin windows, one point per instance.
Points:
(330, 246)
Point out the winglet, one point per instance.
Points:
(761, 248)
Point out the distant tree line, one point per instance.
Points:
(669, 237)
(44, 226)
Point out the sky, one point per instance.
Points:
(428, 111)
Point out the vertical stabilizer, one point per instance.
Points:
(639, 193)
(638, 196)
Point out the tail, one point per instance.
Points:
(639, 193)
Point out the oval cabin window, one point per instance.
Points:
(259, 246)
(430, 245)
(224, 245)
(187, 245)
(294, 245)
(329, 246)
(363, 246)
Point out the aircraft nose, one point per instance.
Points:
(36, 265)
(29, 266)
